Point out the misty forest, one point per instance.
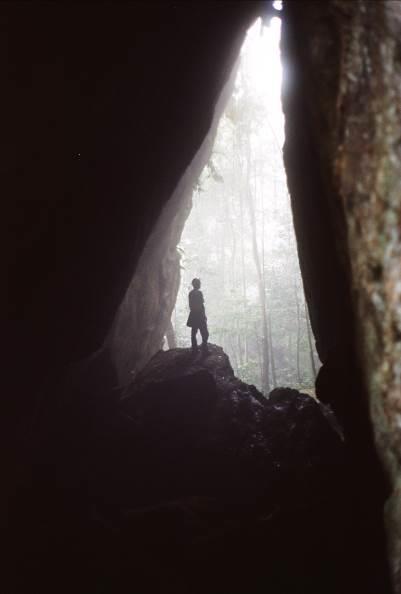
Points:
(239, 238)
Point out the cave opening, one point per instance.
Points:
(146, 470)
(239, 236)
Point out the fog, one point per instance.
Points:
(239, 238)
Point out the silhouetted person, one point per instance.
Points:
(197, 319)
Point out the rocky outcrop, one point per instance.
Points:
(228, 438)
(190, 480)
(203, 476)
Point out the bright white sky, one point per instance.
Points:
(262, 54)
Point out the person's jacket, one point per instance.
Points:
(197, 313)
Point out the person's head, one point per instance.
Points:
(196, 283)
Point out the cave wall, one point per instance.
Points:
(342, 101)
(143, 316)
(105, 106)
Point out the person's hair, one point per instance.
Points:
(196, 283)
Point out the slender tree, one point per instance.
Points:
(271, 352)
(262, 293)
(297, 354)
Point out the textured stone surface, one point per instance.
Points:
(143, 316)
(368, 176)
(187, 481)
(105, 108)
(197, 459)
(352, 82)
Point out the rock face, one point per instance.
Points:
(145, 312)
(250, 445)
(199, 476)
(343, 114)
(193, 481)
(219, 436)
(92, 160)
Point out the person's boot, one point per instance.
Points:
(205, 350)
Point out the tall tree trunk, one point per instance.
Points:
(234, 247)
(309, 333)
(262, 294)
(242, 251)
(223, 210)
(243, 275)
(272, 362)
(239, 344)
(298, 333)
(240, 350)
(233, 351)
(260, 365)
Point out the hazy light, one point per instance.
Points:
(278, 4)
(246, 174)
(261, 54)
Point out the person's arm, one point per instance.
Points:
(202, 303)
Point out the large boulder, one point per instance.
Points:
(188, 426)
(190, 480)
(199, 475)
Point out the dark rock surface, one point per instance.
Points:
(192, 481)
(105, 106)
(342, 105)
(247, 446)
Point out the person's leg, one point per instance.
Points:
(204, 333)
(194, 331)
